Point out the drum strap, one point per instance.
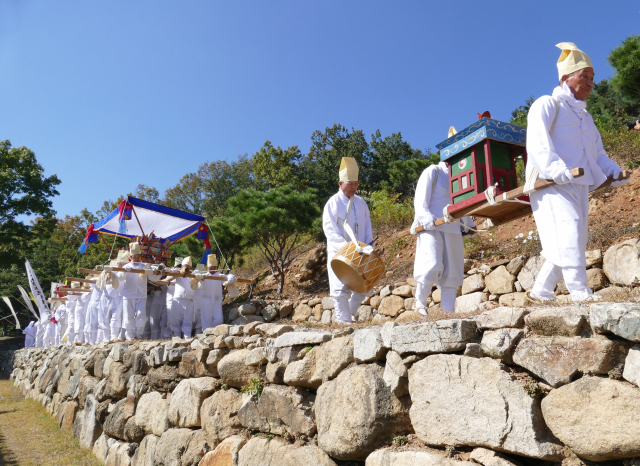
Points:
(346, 217)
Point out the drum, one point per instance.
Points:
(358, 272)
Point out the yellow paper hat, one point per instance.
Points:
(75, 284)
(452, 131)
(123, 256)
(134, 248)
(186, 261)
(212, 261)
(200, 268)
(178, 261)
(571, 59)
(348, 169)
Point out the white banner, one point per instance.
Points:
(38, 295)
(6, 300)
(27, 300)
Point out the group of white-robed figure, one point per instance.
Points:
(119, 307)
(561, 135)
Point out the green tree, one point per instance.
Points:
(274, 167)
(519, 115)
(320, 166)
(277, 221)
(625, 60)
(24, 191)
(404, 174)
(384, 153)
(147, 193)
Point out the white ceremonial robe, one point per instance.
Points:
(61, 316)
(439, 250)
(181, 319)
(562, 211)
(91, 323)
(111, 303)
(345, 301)
(211, 300)
(158, 304)
(82, 304)
(134, 295)
(167, 330)
(72, 302)
(30, 335)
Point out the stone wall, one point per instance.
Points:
(508, 386)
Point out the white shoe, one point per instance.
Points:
(423, 311)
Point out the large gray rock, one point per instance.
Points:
(368, 345)
(101, 447)
(391, 306)
(621, 262)
(596, 417)
(499, 343)
(116, 421)
(568, 321)
(334, 356)
(225, 454)
(469, 302)
(116, 386)
(501, 317)
(515, 265)
(184, 408)
(173, 447)
(233, 370)
(558, 359)
(280, 408)
(354, 422)
(473, 283)
(219, 415)
(390, 457)
(146, 452)
(303, 373)
(261, 451)
(459, 400)
(500, 281)
(301, 338)
(631, 371)
(529, 272)
(119, 454)
(147, 406)
(622, 319)
(434, 337)
(91, 428)
(488, 458)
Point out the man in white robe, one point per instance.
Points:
(111, 302)
(439, 249)
(561, 136)
(211, 295)
(91, 322)
(72, 302)
(134, 295)
(79, 319)
(182, 304)
(345, 206)
(30, 334)
(171, 318)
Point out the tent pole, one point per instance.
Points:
(107, 245)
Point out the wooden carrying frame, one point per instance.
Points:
(504, 211)
(165, 273)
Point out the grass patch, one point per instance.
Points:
(254, 388)
(30, 436)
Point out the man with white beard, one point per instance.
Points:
(345, 208)
(561, 135)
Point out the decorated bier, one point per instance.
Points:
(482, 169)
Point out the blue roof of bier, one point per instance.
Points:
(486, 128)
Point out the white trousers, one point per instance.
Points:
(49, 334)
(155, 319)
(29, 341)
(447, 296)
(110, 321)
(79, 323)
(439, 259)
(562, 218)
(134, 317)
(181, 317)
(91, 323)
(345, 301)
(574, 277)
(71, 331)
(210, 314)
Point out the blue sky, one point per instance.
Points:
(113, 94)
